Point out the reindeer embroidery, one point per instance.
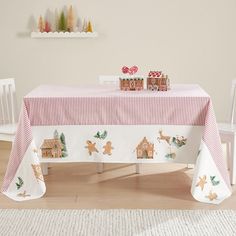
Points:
(163, 137)
(177, 141)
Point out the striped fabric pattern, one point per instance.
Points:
(22, 140)
(211, 138)
(117, 110)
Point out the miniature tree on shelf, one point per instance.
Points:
(84, 28)
(62, 22)
(70, 20)
(56, 20)
(41, 24)
(47, 27)
(89, 27)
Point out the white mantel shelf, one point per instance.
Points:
(43, 35)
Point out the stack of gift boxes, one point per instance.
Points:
(156, 81)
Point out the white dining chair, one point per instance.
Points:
(111, 80)
(228, 135)
(8, 112)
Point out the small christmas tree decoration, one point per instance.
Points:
(70, 20)
(47, 27)
(62, 23)
(56, 21)
(89, 27)
(64, 20)
(84, 28)
(41, 24)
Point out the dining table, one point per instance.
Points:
(102, 124)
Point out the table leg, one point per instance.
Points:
(100, 167)
(137, 166)
(228, 154)
(44, 167)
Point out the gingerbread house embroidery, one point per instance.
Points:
(51, 148)
(145, 149)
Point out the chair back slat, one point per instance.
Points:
(7, 101)
(109, 79)
(13, 103)
(3, 119)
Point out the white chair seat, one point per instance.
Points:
(227, 127)
(8, 129)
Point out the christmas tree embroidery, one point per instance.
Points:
(20, 183)
(64, 149)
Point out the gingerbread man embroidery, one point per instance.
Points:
(108, 148)
(212, 196)
(91, 147)
(202, 182)
(37, 172)
(24, 195)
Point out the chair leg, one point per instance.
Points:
(228, 154)
(233, 161)
(100, 167)
(44, 167)
(137, 167)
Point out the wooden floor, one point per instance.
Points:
(163, 186)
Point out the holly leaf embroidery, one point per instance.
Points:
(20, 183)
(104, 135)
(213, 181)
(97, 135)
(101, 136)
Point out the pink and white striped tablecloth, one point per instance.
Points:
(48, 105)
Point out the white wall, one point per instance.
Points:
(192, 41)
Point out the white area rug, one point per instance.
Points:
(117, 222)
